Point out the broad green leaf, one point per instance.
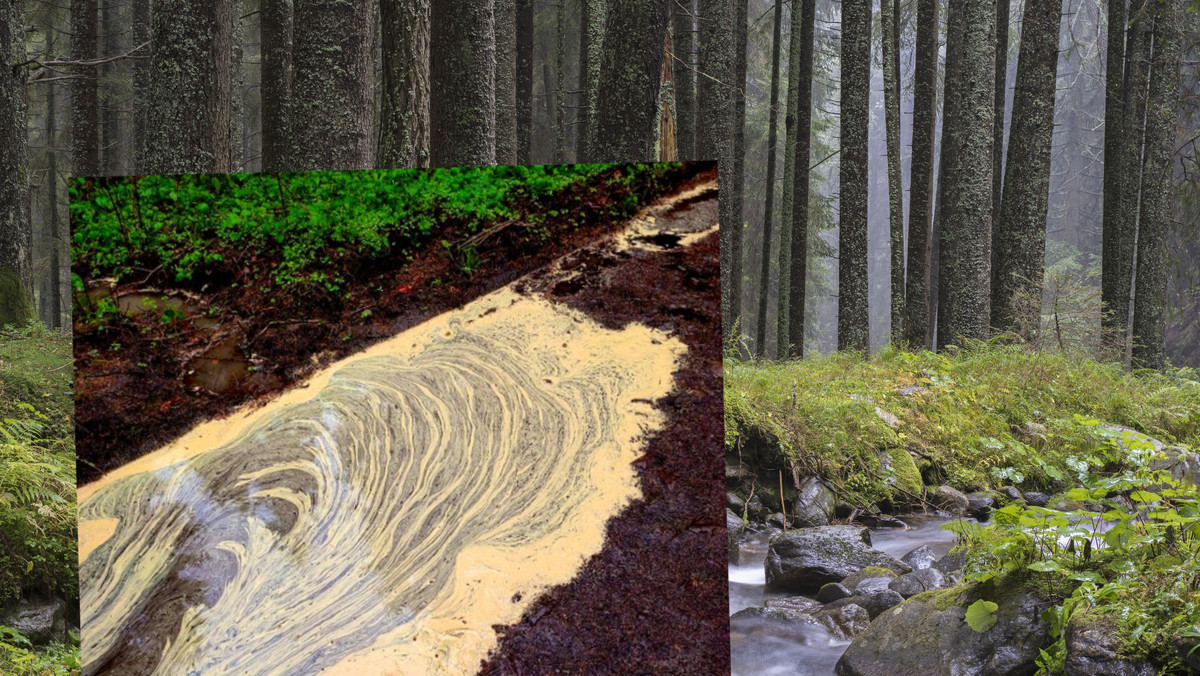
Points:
(981, 615)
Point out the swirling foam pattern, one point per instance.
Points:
(384, 517)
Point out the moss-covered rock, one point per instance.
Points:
(900, 471)
(15, 306)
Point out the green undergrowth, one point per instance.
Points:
(985, 416)
(305, 225)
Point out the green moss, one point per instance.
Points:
(876, 571)
(904, 472)
(15, 307)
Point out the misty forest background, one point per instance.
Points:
(175, 86)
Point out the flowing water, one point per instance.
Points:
(763, 647)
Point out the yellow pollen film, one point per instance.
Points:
(383, 516)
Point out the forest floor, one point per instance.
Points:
(156, 366)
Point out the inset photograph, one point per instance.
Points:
(400, 421)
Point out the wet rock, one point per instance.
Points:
(735, 502)
(833, 592)
(852, 582)
(919, 558)
(736, 473)
(928, 634)
(777, 520)
(799, 604)
(733, 523)
(842, 509)
(814, 503)
(845, 622)
(1036, 499)
(900, 471)
(911, 584)
(1184, 646)
(874, 603)
(756, 509)
(1184, 466)
(1011, 493)
(1094, 649)
(950, 500)
(1062, 503)
(41, 621)
(804, 560)
(950, 566)
(782, 615)
(980, 504)
(881, 521)
(872, 585)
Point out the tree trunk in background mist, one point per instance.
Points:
(276, 90)
(404, 104)
(333, 92)
(769, 211)
(506, 87)
(920, 195)
(237, 94)
(462, 111)
(716, 99)
(684, 43)
(591, 52)
(141, 81)
(560, 83)
(1019, 236)
(890, 48)
(782, 295)
(524, 80)
(15, 233)
(1001, 83)
(1150, 294)
(737, 151)
(853, 321)
(1118, 237)
(187, 121)
(110, 137)
(85, 103)
(798, 259)
(964, 275)
(627, 100)
(53, 288)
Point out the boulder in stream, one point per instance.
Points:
(916, 582)
(40, 621)
(804, 560)
(980, 504)
(928, 634)
(1036, 498)
(844, 622)
(833, 592)
(950, 500)
(921, 557)
(814, 503)
(874, 603)
(733, 524)
(1093, 649)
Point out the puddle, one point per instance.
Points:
(382, 517)
(680, 220)
(220, 368)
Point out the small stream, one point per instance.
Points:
(761, 647)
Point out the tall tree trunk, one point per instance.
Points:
(853, 320)
(1000, 85)
(1019, 238)
(141, 82)
(560, 84)
(964, 276)
(333, 93)
(591, 43)
(1129, 181)
(920, 196)
(276, 89)
(462, 108)
(524, 81)
(769, 212)
(237, 96)
(187, 124)
(53, 293)
(1150, 293)
(627, 102)
(782, 314)
(800, 71)
(506, 87)
(1117, 240)
(890, 49)
(15, 233)
(404, 106)
(737, 157)
(684, 42)
(85, 102)
(717, 98)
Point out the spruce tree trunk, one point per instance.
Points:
(524, 80)
(782, 313)
(1019, 238)
(1129, 181)
(506, 87)
(717, 99)
(85, 102)
(15, 233)
(333, 76)
(187, 123)
(591, 43)
(54, 276)
(1117, 239)
(769, 212)
(1001, 83)
(237, 94)
(560, 82)
(920, 196)
(110, 134)
(853, 320)
(737, 153)
(404, 102)
(1150, 294)
(797, 286)
(627, 100)
(684, 42)
(890, 46)
(462, 109)
(141, 82)
(964, 277)
(276, 23)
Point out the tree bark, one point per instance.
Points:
(15, 233)
(853, 319)
(890, 50)
(591, 51)
(53, 307)
(800, 71)
(85, 102)
(684, 42)
(1001, 82)
(560, 83)
(141, 82)
(920, 196)
(964, 276)
(404, 104)
(462, 107)
(277, 21)
(237, 94)
(1150, 293)
(1019, 238)
(627, 103)
(769, 212)
(332, 102)
(187, 124)
(524, 80)
(506, 88)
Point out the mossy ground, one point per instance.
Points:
(963, 425)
